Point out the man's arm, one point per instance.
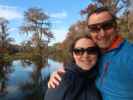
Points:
(55, 78)
(61, 92)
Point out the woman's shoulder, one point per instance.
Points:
(69, 76)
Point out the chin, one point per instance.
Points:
(87, 67)
(104, 46)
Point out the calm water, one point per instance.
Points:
(22, 80)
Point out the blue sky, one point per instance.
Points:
(63, 13)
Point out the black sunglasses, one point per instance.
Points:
(104, 25)
(89, 50)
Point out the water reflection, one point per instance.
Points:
(23, 81)
(5, 70)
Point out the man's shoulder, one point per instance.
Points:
(128, 45)
(126, 49)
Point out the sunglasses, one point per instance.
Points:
(89, 50)
(104, 25)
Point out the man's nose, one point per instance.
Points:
(101, 32)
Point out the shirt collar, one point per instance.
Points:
(116, 43)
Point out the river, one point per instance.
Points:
(21, 80)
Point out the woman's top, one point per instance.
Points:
(76, 84)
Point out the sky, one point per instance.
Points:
(63, 13)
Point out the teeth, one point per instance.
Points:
(87, 61)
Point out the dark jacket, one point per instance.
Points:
(76, 84)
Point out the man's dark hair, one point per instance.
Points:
(99, 10)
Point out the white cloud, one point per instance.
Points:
(10, 12)
(59, 15)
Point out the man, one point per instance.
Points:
(116, 64)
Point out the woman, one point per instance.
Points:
(78, 82)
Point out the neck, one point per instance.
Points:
(115, 43)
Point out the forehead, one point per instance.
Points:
(84, 42)
(99, 17)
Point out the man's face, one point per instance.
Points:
(102, 29)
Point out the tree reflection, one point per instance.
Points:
(3, 79)
(37, 85)
(5, 69)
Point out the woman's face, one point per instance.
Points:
(84, 54)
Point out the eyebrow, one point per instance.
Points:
(101, 22)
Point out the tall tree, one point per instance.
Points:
(4, 35)
(36, 23)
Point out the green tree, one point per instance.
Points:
(36, 23)
(5, 40)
